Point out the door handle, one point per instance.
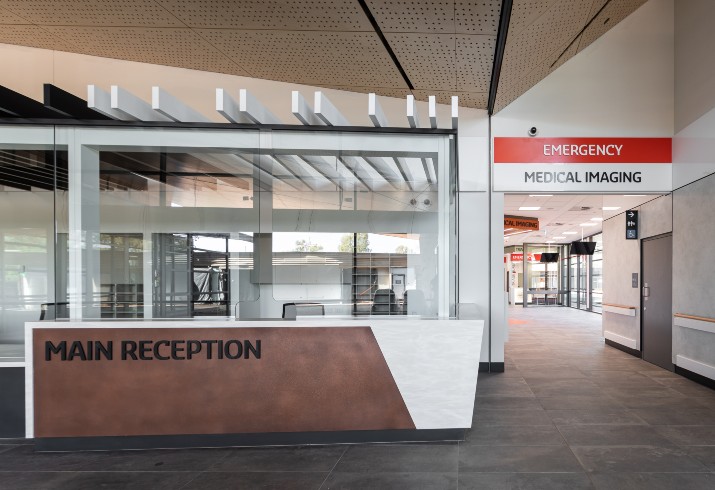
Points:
(646, 291)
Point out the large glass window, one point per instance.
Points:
(32, 177)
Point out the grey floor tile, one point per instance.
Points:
(704, 454)
(672, 401)
(126, 479)
(613, 435)
(496, 385)
(392, 481)
(284, 480)
(24, 458)
(510, 417)
(564, 387)
(637, 459)
(310, 458)
(507, 402)
(600, 417)
(688, 435)
(653, 481)
(579, 402)
(650, 391)
(517, 459)
(658, 416)
(155, 460)
(23, 480)
(399, 458)
(539, 435)
(524, 481)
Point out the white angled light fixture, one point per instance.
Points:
(529, 208)
(570, 233)
(611, 208)
(541, 195)
(587, 224)
(596, 219)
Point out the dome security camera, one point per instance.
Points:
(533, 131)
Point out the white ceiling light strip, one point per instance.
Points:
(375, 112)
(132, 107)
(229, 108)
(254, 110)
(412, 117)
(302, 110)
(101, 101)
(432, 101)
(166, 104)
(327, 112)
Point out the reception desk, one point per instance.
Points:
(188, 383)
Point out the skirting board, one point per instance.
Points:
(627, 350)
(694, 324)
(697, 367)
(619, 311)
(620, 339)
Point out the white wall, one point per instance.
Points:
(621, 85)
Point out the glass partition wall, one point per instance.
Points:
(116, 222)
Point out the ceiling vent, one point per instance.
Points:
(580, 208)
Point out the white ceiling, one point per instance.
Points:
(565, 213)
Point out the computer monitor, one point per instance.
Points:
(583, 248)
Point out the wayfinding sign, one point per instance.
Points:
(631, 225)
(582, 164)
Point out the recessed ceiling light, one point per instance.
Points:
(634, 195)
(596, 219)
(587, 224)
(529, 208)
(570, 233)
(541, 195)
(508, 229)
(611, 208)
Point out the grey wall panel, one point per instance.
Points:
(656, 217)
(621, 258)
(12, 402)
(694, 267)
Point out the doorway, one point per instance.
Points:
(657, 301)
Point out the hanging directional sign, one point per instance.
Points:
(631, 225)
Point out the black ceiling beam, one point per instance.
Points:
(387, 46)
(19, 105)
(504, 19)
(69, 104)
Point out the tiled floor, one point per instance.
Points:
(569, 413)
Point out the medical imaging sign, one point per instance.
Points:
(582, 164)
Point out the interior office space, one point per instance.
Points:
(377, 207)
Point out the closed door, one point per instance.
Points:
(656, 291)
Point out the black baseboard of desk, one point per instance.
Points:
(12, 402)
(627, 350)
(245, 440)
(698, 378)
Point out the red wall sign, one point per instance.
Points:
(583, 150)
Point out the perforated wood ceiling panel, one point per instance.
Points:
(32, 36)
(174, 47)
(311, 15)
(138, 13)
(314, 58)
(544, 34)
(7, 17)
(445, 47)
